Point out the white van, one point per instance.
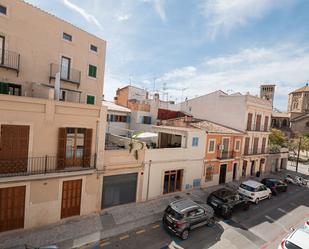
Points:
(254, 191)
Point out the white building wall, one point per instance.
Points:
(189, 159)
(218, 107)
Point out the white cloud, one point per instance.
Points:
(179, 73)
(284, 65)
(88, 17)
(227, 15)
(123, 18)
(159, 6)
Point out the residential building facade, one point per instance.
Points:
(118, 119)
(50, 148)
(246, 113)
(222, 158)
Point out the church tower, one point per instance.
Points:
(267, 92)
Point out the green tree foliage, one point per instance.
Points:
(277, 139)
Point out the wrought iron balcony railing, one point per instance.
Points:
(257, 151)
(44, 165)
(226, 154)
(66, 74)
(10, 60)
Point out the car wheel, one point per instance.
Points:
(269, 196)
(211, 222)
(185, 234)
(257, 201)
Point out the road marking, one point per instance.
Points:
(141, 231)
(124, 237)
(282, 210)
(269, 218)
(104, 243)
(155, 226)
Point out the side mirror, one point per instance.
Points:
(292, 229)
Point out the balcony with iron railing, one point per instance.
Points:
(255, 151)
(261, 128)
(10, 60)
(224, 155)
(44, 165)
(69, 74)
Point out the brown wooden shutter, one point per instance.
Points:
(255, 145)
(247, 141)
(263, 145)
(266, 123)
(71, 198)
(87, 152)
(61, 154)
(249, 122)
(258, 122)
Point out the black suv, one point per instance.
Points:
(224, 201)
(183, 215)
(275, 185)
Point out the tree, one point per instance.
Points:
(277, 139)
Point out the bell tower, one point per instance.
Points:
(268, 92)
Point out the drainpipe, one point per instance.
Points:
(149, 165)
(96, 143)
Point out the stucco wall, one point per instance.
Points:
(45, 117)
(24, 28)
(43, 198)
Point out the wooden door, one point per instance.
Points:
(14, 146)
(222, 175)
(12, 208)
(71, 198)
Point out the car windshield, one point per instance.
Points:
(246, 187)
(290, 245)
(173, 213)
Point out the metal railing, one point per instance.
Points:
(44, 165)
(257, 151)
(9, 60)
(71, 75)
(226, 154)
(257, 128)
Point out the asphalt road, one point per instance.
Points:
(262, 226)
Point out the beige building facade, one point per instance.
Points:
(52, 140)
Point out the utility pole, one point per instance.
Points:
(299, 144)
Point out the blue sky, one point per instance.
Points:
(193, 47)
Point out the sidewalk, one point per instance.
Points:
(79, 231)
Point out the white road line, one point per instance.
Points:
(141, 231)
(276, 222)
(124, 237)
(282, 210)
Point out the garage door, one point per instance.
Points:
(71, 198)
(12, 208)
(120, 189)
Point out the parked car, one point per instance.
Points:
(296, 239)
(225, 201)
(275, 185)
(254, 191)
(183, 215)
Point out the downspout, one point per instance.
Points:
(96, 143)
(149, 165)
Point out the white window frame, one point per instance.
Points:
(62, 34)
(195, 138)
(90, 50)
(235, 148)
(7, 11)
(215, 144)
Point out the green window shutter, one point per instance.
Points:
(90, 99)
(4, 88)
(92, 72)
